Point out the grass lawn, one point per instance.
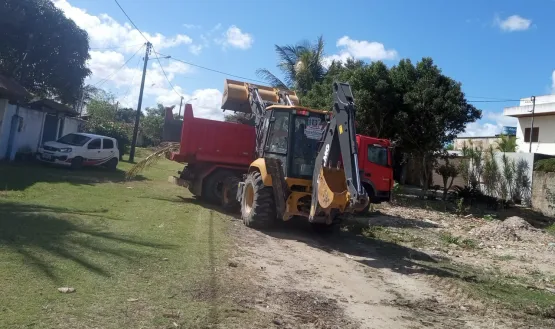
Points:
(137, 255)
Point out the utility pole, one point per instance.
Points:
(532, 125)
(180, 104)
(138, 114)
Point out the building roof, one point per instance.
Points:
(48, 104)
(12, 90)
(476, 137)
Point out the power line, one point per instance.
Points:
(162, 68)
(132, 80)
(111, 48)
(209, 69)
(102, 81)
(130, 20)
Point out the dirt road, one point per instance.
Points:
(309, 280)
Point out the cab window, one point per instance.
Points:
(107, 144)
(377, 155)
(95, 144)
(279, 131)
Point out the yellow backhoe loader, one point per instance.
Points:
(305, 160)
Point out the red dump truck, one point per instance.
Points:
(217, 153)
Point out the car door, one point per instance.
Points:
(93, 153)
(108, 148)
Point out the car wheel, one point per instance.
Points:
(112, 164)
(76, 163)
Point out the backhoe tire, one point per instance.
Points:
(229, 194)
(258, 208)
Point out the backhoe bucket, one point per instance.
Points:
(236, 96)
(332, 189)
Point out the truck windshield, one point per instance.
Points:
(307, 135)
(377, 154)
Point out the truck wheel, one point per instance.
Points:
(229, 194)
(371, 199)
(213, 186)
(258, 205)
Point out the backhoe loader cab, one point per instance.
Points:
(296, 171)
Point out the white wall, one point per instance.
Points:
(29, 134)
(546, 138)
(71, 125)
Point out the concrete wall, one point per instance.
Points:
(546, 138)
(438, 180)
(543, 193)
(29, 132)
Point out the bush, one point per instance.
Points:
(545, 165)
(120, 131)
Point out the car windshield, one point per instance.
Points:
(74, 139)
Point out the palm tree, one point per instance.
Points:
(302, 65)
(507, 143)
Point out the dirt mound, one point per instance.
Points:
(511, 229)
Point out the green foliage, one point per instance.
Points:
(489, 217)
(545, 165)
(43, 49)
(446, 171)
(301, 64)
(122, 132)
(241, 118)
(449, 147)
(507, 143)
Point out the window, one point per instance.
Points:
(279, 131)
(377, 155)
(94, 145)
(307, 135)
(535, 135)
(107, 144)
(74, 139)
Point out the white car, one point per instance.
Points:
(79, 149)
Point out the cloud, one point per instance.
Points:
(553, 82)
(236, 38)
(481, 128)
(191, 26)
(364, 50)
(195, 49)
(124, 80)
(513, 23)
(104, 31)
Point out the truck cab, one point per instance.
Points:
(375, 164)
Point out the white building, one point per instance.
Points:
(543, 135)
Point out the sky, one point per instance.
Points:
(497, 49)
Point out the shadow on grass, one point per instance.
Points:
(38, 232)
(199, 202)
(18, 177)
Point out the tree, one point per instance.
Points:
(506, 143)
(239, 117)
(434, 110)
(42, 49)
(449, 147)
(302, 66)
(446, 171)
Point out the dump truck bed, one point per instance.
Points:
(203, 140)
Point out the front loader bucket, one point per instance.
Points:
(332, 189)
(236, 96)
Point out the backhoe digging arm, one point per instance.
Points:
(339, 143)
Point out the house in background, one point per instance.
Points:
(542, 135)
(482, 141)
(24, 127)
